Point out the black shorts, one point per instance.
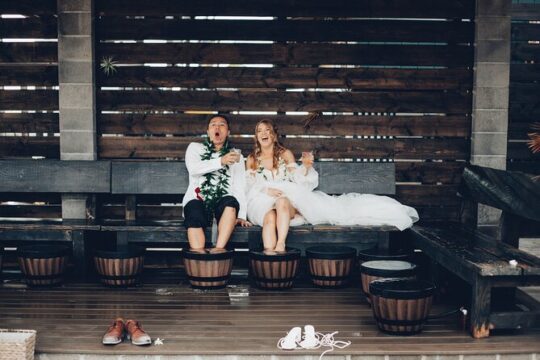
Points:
(196, 215)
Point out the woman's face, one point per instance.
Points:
(265, 135)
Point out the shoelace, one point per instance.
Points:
(328, 340)
(322, 340)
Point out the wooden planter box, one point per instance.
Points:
(43, 265)
(274, 271)
(383, 269)
(208, 270)
(330, 266)
(401, 306)
(120, 268)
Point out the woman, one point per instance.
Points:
(280, 194)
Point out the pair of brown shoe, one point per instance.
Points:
(131, 329)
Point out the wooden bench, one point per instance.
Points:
(145, 178)
(170, 178)
(484, 261)
(53, 176)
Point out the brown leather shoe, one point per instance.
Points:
(136, 333)
(115, 333)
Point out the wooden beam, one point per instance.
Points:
(453, 56)
(315, 8)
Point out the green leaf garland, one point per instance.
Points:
(216, 183)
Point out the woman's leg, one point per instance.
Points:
(269, 230)
(284, 213)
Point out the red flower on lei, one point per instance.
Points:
(197, 192)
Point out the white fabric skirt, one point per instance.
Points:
(317, 208)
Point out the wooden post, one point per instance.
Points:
(77, 104)
(491, 91)
(79, 254)
(131, 208)
(480, 307)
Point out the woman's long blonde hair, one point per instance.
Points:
(278, 148)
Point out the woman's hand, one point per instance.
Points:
(274, 192)
(307, 159)
(243, 223)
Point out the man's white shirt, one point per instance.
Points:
(197, 168)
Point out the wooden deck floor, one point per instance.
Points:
(239, 320)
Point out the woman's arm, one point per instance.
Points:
(302, 175)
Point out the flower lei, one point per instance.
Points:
(216, 183)
(287, 175)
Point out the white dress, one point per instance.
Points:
(317, 207)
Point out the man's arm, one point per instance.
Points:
(195, 165)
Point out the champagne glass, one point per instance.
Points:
(307, 156)
(237, 152)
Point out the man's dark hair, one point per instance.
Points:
(219, 116)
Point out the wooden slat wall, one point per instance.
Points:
(29, 105)
(524, 87)
(403, 70)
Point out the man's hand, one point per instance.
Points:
(230, 158)
(243, 223)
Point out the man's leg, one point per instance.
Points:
(195, 220)
(226, 212)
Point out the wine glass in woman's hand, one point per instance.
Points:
(307, 159)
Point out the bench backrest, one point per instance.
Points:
(513, 192)
(54, 176)
(172, 177)
(155, 178)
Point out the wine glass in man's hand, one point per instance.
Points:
(237, 153)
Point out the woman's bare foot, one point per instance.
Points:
(280, 247)
(269, 252)
(216, 250)
(199, 251)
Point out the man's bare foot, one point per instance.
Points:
(216, 250)
(280, 248)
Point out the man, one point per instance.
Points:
(217, 181)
